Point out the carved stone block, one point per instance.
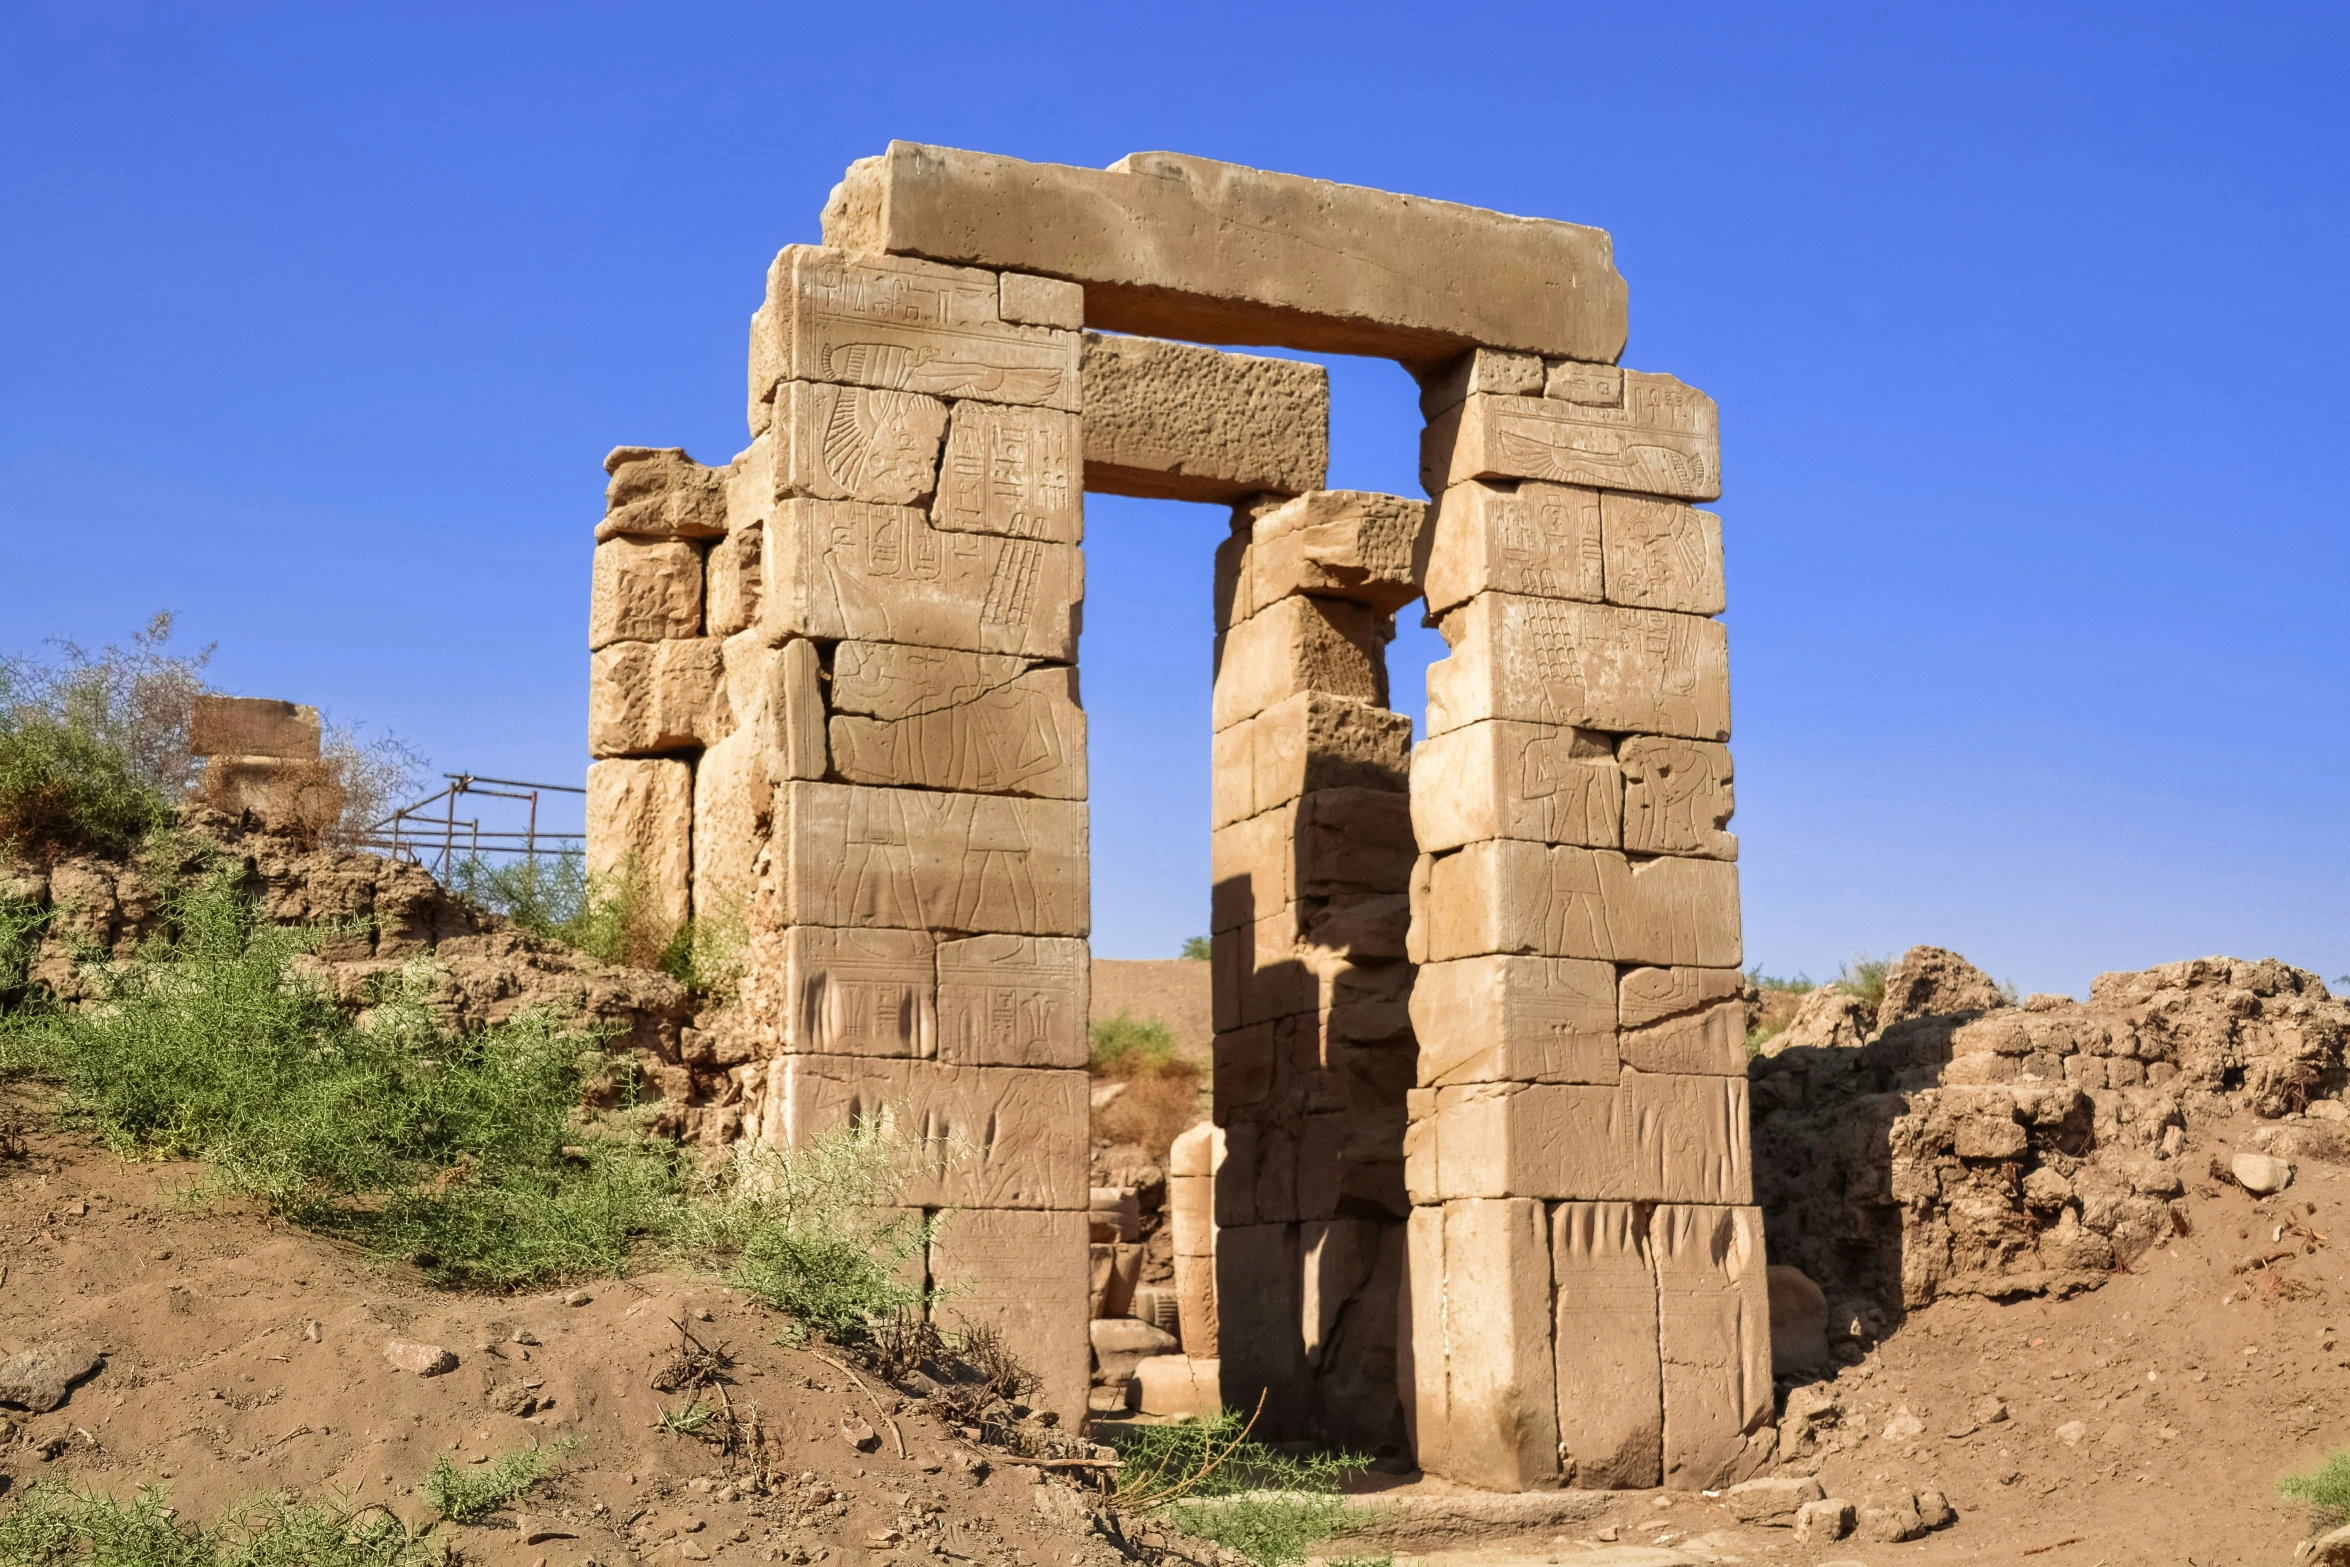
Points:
(1647, 1138)
(919, 859)
(1013, 1001)
(1677, 797)
(983, 723)
(843, 570)
(1511, 895)
(797, 747)
(1610, 1387)
(1479, 1388)
(1663, 438)
(1012, 471)
(900, 325)
(1024, 1275)
(1503, 779)
(1296, 645)
(648, 697)
(730, 600)
(1683, 1020)
(1662, 556)
(1342, 544)
(1178, 421)
(1042, 301)
(640, 816)
(658, 492)
(1515, 1020)
(854, 443)
(1539, 540)
(1714, 1331)
(1306, 742)
(1627, 671)
(644, 592)
(252, 726)
(1479, 370)
(1325, 843)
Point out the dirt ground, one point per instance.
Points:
(2147, 1421)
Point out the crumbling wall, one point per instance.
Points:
(1954, 1143)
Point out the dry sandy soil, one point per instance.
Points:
(2193, 1388)
(1172, 989)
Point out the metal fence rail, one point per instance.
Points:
(431, 826)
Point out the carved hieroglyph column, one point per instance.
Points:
(1587, 1297)
(1312, 856)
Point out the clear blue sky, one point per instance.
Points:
(2027, 325)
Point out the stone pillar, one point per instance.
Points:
(905, 819)
(1312, 856)
(1587, 1300)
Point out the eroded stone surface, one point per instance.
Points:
(640, 829)
(1504, 779)
(1298, 645)
(1541, 540)
(940, 719)
(1677, 797)
(1515, 1020)
(658, 492)
(644, 592)
(1663, 439)
(853, 443)
(1650, 1137)
(1012, 471)
(1342, 544)
(1595, 666)
(1309, 741)
(1511, 895)
(1177, 421)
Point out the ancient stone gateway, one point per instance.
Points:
(1480, 1177)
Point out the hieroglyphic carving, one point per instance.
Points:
(848, 443)
(1538, 539)
(1714, 1337)
(1511, 895)
(1661, 555)
(1649, 1137)
(840, 570)
(858, 992)
(1677, 797)
(1013, 1001)
(1013, 471)
(976, 722)
(1515, 1019)
(1628, 671)
(1662, 439)
(920, 859)
(1611, 1388)
(901, 325)
(1503, 779)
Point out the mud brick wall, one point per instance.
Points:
(1587, 1300)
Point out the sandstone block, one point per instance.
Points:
(900, 325)
(1023, 1274)
(658, 492)
(1307, 742)
(1538, 540)
(1343, 544)
(1628, 671)
(1512, 895)
(853, 443)
(843, 570)
(1710, 1041)
(1191, 1218)
(733, 804)
(1677, 797)
(1652, 1137)
(1243, 1062)
(1116, 1270)
(1196, 1151)
(252, 726)
(1480, 1395)
(1041, 301)
(974, 1136)
(1505, 779)
(1651, 995)
(1195, 1304)
(1217, 253)
(1259, 1332)
(794, 707)
(919, 859)
(1824, 1520)
(1180, 422)
(1662, 439)
(1714, 1329)
(1179, 1386)
(1013, 1001)
(1662, 556)
(1799, 1323)
(847, 992)
(1577, 382)
(1321, 844)
(730, 593)
(640, 816)
(981, 723)
(1479, 370)
(1610, 1380)
(1515, 1020)
(1122, 1343)
(644, 592)
(1772, 1501)
(1012, 471)
(1298, 645)
(648, 697)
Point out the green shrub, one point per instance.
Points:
(1198, 948)
(448, 1152)
(1212, 1480)
(1271, 1530)
(1124, 1046)
(21, 923)
(54, 1525)
(810, 1230)
(1864, 977)
(474, 1489)
(543, 893)
(1800, 985)
(2327, 1492)
(64, 791)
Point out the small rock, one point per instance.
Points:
(524, 1336)
(40, 1378)
(1607, 1532)
(540, 1533)
(577, 1298)
(884, 1537)
(692, 1552)
(2072, 1433)
(1892, 1522)
(2261, 1174)
(1904, 1426)
(858, 1434)
(1989, 1410)
(314, 1330)
(426, 1360)
(1827, 1519)
(1934, 1510)
(2330, 1550)
(514, 1399)
(1770, 1501)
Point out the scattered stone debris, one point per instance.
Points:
(41, 1378)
